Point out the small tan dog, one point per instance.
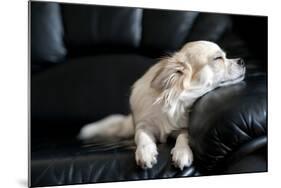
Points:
(162, 96)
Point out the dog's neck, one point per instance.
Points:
(177, 107)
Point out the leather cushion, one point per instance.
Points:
(83, 90)
(166, 30)
(209, 26)
(75, 163)
(255, 162)
(47, 31)
(91, 28)
(227, 118)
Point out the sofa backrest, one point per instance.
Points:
(60, 29)
(46, 33)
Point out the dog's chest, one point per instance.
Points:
(178, 114)
(178, 119)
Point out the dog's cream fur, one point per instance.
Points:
(162, 96)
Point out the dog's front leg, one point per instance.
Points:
(146, 152)
(181, 154)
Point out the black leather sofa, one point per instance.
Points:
(83, 60)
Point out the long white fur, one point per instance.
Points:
(146, 152)
(181, 153)
(156, 113)
(117, 126)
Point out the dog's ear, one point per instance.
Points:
(161, 79)
(171, 74)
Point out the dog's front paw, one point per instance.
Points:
(182, 157)
(146, 156)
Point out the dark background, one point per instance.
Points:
(84, 58)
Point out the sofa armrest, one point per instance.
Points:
(229, 123)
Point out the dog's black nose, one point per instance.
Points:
(240, 62)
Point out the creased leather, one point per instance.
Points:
(108, 48)
(75, 163)
(224, 120)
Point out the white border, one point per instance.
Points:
(13, 92)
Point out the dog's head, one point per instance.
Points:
(198, 66)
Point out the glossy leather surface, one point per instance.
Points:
(83, 90)
(210, 26)
(90, 28)
(108, 48)
(46, 20)
(166, 30)
(219, 137)
(75, 163)
(227, 119)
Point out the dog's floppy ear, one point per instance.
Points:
(171, 74)
(160, 80)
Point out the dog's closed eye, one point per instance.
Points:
(218, 58)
